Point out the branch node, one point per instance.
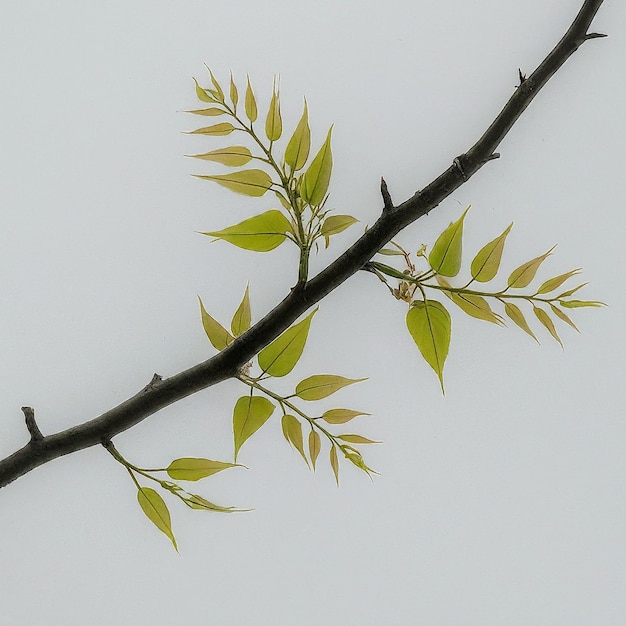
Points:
(522, 77)
(31, 424)
(387, 201)
(492, 156)
(459, 166)
(594, 36)
(156, 379)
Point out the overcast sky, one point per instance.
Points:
(502, 503)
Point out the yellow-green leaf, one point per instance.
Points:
(234, 156)
(544, 318)
(336, 224)
(260, 233)
(242, 317)
(570, 292)
(212, 111)
(195, 501)
(217, 130)
(234, 94)
(577, 304)
(561, 315)
(474, 306)
(430, 326)
(487, 262)
(281, 356)
(202, 94)
(250, 413)
(315, 445)
(217, 334)
(297, 151)
(524, 274)
(273, 122)
(323, 385)
(357, 439)
(556, 282)
(292, 429)
(195, 469)
(218, 89)
(248, 182)
(317, 177)
(250, 102)
(334, 463)
(445, 256)
(518, 318)
(153, 505)
(340, 416)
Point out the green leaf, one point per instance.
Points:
(334, 463)
(195, 501)
(474, 306)
(487, 262)
(218, 89)
(250, 103)
(195, 469)
(248, 182)
(430, 326)
(390, 252)
(317, 177)
(557, 281)
(292, 429)
(561, 315)
(260, 233)
(153, 505)
(323, 385)
(209, 112)
(217, 130)
(356, 459)
(242, 317)
(216, 333)
(250, 413)
(297, 151)
(357, 439)
(273, 122)
(202, 94)
(340, 416)
(234, 156)
(445, 256)
(544, 318)
(518, 318)
(524, 274)
(234, 95)
(281, 356)
(577, 304)
(315, 445)
(336, 224)
(570, 292)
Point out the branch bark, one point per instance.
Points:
(160, 393)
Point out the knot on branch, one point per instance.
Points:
(29, 416)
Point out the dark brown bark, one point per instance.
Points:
(160, 393)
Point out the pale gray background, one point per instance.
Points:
(502, 503)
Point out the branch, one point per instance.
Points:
(160, 393)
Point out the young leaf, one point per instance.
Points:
(153, 505)
(340, 416)
(260, 233)
(292, 429)
(218, 89)
(235, 156)
(430, 326)
(334, 463)
(570, 292)
(544, 318)
(273, 122)
(577, 304)
(202, 94)
(195, 501)
(281, 356)
(248, 182)
(336, 224)
(250, 413)
(317, 177)
(250, 103)
(445, 256)
(315, 445)
(524, 274)
(518, 318)
(195, 469)
(487, 262)
(234, 95)
(212, 111)
(217, 130)
(242, 317)
(556, 282)
(297, 151)
(474, 306)
(217, 334)
(356, 439)
(561, 315)
(322, 385)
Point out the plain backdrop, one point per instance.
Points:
(502, 503)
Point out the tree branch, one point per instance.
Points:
(160, 393)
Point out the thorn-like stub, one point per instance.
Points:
(384, 191)
(156, 379)
(31, 424)
(594, 35)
